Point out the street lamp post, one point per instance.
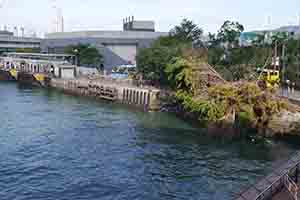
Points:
(76, 56)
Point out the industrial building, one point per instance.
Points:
(10, 43)
(116, 47)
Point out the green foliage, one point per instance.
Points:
(279, 38)
(179, 73)
(166, 41)
(253, 105)
(187, 32)
(152, 62)
(248, 98)
(260, 40)
(230, 33)
(240, 63)
(205, 110)
(293, 59)
(86, 55)
(233, 62)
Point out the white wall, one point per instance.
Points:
(86, 71)
(67, 73)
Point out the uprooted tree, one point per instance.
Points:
(205, 94)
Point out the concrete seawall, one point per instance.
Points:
(101, 87)
(145, 98)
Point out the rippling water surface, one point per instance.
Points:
(55, 146)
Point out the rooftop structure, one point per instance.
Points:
(129, 24)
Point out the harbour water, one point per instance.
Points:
(54, 146)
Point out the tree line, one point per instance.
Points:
(179, 60)
(223, 51)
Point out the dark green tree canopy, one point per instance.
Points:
(230, 33)
(86, 55)
(187, 32)
(260, 40)
(152, 62)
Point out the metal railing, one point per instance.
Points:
(121, 82)
(275, 182)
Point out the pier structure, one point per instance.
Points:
(57, 71)
(35, 68)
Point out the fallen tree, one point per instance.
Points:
(204, 95)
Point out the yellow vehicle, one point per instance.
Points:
(271, 78)
(39, 77)
(13, 73)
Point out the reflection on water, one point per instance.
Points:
(55, 146)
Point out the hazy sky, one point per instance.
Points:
(39, 15)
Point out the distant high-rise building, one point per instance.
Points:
(22, 32)
(269, 21)
(62, 23)
(16, 31)
(58, 21)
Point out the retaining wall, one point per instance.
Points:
(136, 96)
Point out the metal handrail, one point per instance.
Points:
(281, 179)
(279, 182)
(262, 194)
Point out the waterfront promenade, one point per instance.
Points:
(291, 94)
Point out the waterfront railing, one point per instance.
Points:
(281, 177)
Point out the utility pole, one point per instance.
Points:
(283, 63)
(276, 46)
(274, 59)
